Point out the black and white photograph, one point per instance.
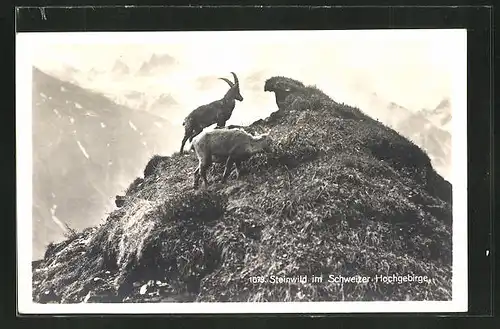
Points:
(319, 171)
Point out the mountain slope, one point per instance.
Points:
(440, 115)
(85, 147)
(340, 194)
(433, 139)
(429, 129)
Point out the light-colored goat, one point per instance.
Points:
(218, 112)
(229, 145)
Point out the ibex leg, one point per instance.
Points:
(227, 170)
(183, 142)
(238, 167)
(197, 177)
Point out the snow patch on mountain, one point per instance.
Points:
(84, 151)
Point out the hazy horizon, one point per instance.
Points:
(412, 69)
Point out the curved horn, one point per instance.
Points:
(228, 82)
(235, 78)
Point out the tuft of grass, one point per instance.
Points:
(70, 232)
(338, 194)
(135, 186)
(152, 164)
(282, 83)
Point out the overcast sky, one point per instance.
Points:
(413, 68)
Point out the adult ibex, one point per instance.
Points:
(218, 112)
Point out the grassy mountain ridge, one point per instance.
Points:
(339, 194)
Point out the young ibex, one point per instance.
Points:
(218, 111)
(229, 145)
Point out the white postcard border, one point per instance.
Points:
(24, 53)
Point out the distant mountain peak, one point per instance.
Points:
(444, 104)
(157, 61)
(120, 67)
(166, 99)
(70, 68)
(393, 106)
(162, 59)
